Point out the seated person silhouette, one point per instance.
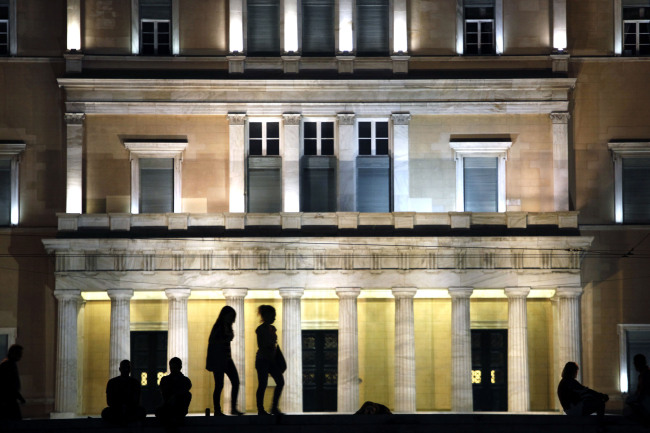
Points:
(123, 398)
(575, 398)
(175, 389)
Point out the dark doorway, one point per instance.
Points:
(490, 369)
(319, 370)
(149, 364)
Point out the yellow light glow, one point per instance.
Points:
(476, 376)
(559, 39)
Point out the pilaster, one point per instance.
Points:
(235, 299)
(401, 162)
(518, 379)
(74, 155)
(177, 337)
(405, 385)
(348, 149)
(560, 121)
(570, 337)
(291, 163)
(237, 149)
(66, 404)
(120, 340)
(461, 350)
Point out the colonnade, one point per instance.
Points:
(569, 347)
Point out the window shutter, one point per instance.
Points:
(264, 184)
(372, 27)
(156, 9)
(373, 184)
(481, 184)
(5, 192)
(317, 27)
(636, 190)
(156, 185)
(263, 27)
(318, 184)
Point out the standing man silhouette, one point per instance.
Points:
(10, 384)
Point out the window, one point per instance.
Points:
(479, 27)
(9, 177)
(155, 175)
(4, 27)
(631, 181)
(636, 31)
(263, 27)
(155, 27)
(373, 167)
(7, 339)
(373, 18)
(264, 166)
(480, 175)
(318, 168)
(317, 27)
(633, 339)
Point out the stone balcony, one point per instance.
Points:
(403, 221)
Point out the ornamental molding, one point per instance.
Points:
(292, 119)
(560, 118)
(401, 118)
(346, 118)
(74, 118)
(236, 118)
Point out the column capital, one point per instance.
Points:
(568, 292)
(67, 295)
(74, 118)
(401, 118)
(517, 292)
(239, 292)
(177, 293)
(348, 292)
(124, 294)
(404, 292)
(291, 292)
(291, 118)
(346, 118)
(460, 292)
(560, 117)
(236, 118)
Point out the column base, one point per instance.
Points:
(63, 415)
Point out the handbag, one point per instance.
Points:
(279, 360)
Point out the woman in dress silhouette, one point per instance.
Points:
(269, 360)
(219, 360)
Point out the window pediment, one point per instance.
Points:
(480, 148)
(156, 149)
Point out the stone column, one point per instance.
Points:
(404, 349)
(348, 364)
(66, 404)
(518, 382)
(348, 149)
(401, 192)
(461, 350)
(74, 154)
(291, 163)
(561, 160)
(120, 343)
(237, 146)
(570, 346)
(235, 299)
(177, 325)
(292, 348)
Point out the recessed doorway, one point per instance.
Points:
(319, 370)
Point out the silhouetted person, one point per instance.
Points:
(175, 390)
(372, 408)
(10, 384)
(637, 404)
(123, 398)
(577, 399)
(269, 360)
(219, 360)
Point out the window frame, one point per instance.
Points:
(620, 150)
(319, 121)
(619, 26)
(155, 149)
(479, 43)
(265, 121)
(13, 151)
(636, 52)
(622, 329)
(12, 41)
(136, 28)
(373, 137)
(156, 35)
(11, 334)
(489, 149)
(498, 39)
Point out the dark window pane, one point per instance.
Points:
(264, 184)
(365, 146)
(364, 130)
(373, 184)
(163, 27)
(255, 130)
(5, 192)
(381, 129)
(327, 130)
(164, 50)
(486, 27)
(273, 147)
(156, 9)
(318, 184)
(310, 129)
(255, 147)
(310, 146)
(163, 39)
(636, 190)
(381, 146)
(147, 26)
(273, 130)
(4, 12)
(147, 39)
(327, 147)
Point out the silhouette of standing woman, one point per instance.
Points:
(219, 360)
(269, 360)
